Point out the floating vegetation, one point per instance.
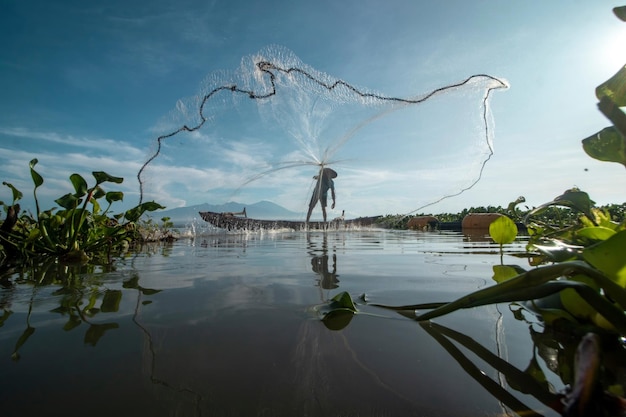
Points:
(79, 231)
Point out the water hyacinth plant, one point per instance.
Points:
(77, 231)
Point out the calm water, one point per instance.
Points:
(226, 325)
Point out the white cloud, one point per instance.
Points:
(55, 166)
(99, 144)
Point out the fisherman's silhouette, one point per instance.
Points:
(328, 280)
(320, 192)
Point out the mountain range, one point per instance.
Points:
(259, 210)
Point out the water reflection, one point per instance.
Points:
(338, 313)
(530, 381)
(587, 375)
(320, 263)
(150, 351)
(173, 339)
(80, 294)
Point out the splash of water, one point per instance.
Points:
(267, 128)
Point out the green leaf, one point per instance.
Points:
(102, 176)
(75, 256)
(112, 196)
(596, 233)
(620, 12)
(574, 198)
(37, 179)
(343, 300)
(33, 234)
(17, 194)
(98, 192)
(553, 315)
(513, 204)
(574, 303)
(80, 185)
(608, 257)
(614, 88)
(503, 230)
(606, 145)
(96, 206)
(68, 201)
(135, 213)
(338, 313)
(151, 206)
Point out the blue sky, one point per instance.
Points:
(89, 86)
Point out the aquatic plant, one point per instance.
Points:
(550, 215)
(152, 231)
(503, 230)
(77, 231)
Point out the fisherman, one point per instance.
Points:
(320, 193)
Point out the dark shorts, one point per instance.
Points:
(323, 199)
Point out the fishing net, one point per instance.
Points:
(263, 131)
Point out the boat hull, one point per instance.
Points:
(230, 222)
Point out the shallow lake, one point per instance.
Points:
(229, 325)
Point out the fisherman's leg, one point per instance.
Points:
(312, 204)
(324, 203)
(308, 215)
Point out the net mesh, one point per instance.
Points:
(263, 131)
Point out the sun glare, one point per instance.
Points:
(611, 51)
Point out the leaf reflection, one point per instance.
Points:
(96, 331)
(516, 378)
(79, 292)
(134, 284)
(560, 346)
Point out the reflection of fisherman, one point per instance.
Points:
(320, 193)
(328, 280)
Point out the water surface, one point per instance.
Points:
(226, 325)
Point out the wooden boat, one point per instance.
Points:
(235, 221)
